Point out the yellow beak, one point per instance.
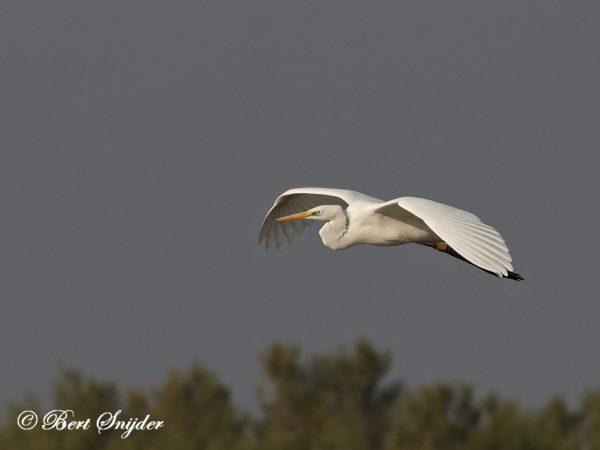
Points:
(297, 216)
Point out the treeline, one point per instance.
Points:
(329, 401)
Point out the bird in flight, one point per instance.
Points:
(353, 218)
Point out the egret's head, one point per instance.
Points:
(323, 212)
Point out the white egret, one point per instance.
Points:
(353, 218)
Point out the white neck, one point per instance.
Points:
(333, 231)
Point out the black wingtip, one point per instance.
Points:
(514, 276)
(510, 275)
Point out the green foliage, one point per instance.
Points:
(503, 426)
(330, 402)
(557, 427)
(590, 428)
(196, 408)
(327, 401)
(439, 416)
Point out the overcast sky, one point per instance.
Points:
(142, 142)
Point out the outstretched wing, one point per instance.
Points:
(479, 243)
(298, 200)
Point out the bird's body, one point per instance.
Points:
(353, 218)
(364, 225)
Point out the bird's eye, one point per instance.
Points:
(317, 213)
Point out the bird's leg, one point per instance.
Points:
(439, 246)
(445, 248)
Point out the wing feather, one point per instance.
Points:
(476, 241)
(500, 248)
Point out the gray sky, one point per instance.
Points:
(142, 143)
